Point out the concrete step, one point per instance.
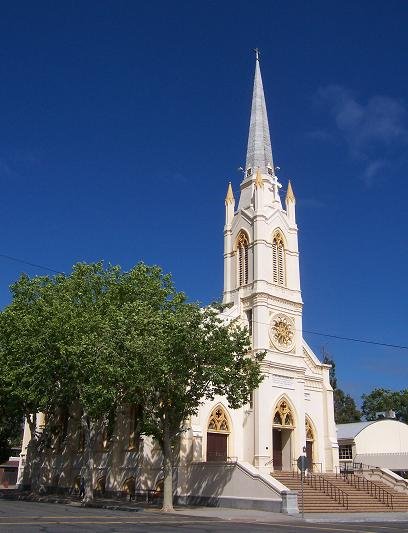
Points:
(315, 500)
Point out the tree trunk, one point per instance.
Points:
(87, 460)
(168, 470)
(32, 466)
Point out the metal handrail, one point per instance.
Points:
(327, 487)
(295, 467)
(362, 483)
(362, 466)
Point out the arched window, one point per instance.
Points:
(218, 420)
(309, 430)
(278, 258)
(283, 415)
(242, 251)
(310, 438)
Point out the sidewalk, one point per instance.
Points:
(357, 517)
(223, 513)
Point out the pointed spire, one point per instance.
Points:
(259, 152)
(229, 199)
(290, 197)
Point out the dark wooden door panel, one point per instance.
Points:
(309, 454)
(217, 447)
(277, 449)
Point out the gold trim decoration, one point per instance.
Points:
(218, 421)
(282, 332)
(309, 430)
(259, 179)
(283, 416)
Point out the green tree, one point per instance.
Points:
(31, 366)
(380, 400)
(57, 350)
(345, 409)
(192, 356)
(11, 420)
(100, 337)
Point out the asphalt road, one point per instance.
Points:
(20, 516)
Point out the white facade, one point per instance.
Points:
(262, 288)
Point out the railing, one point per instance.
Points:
(327, 487)
(361, 483)
(351, 467)
(316, 467)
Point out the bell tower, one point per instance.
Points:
(261, 258)
(262, 288)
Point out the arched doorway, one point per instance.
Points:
(217, 435)
(129, 487)
(283, 425)
(309, 442)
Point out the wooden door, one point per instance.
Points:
(309, 454)
(217, 447)
(277, 449)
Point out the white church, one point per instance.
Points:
(292, 411)
(229, 457)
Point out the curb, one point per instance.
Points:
(64, 501)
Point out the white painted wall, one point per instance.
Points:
(384, 436)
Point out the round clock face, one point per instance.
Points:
(282, 332)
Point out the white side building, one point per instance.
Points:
(378, 443)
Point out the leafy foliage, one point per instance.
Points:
(100, 337)
(382, 400)
(10, 426)
(345, 409)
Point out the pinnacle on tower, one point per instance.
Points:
(290, 197)
(229, 199)
(259, 152)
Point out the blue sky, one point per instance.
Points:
(122, 122)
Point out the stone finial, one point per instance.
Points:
(229, 199)
(290, 197)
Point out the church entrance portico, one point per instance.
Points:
(282, 436)
(217, 435)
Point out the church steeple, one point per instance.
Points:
(259, 152)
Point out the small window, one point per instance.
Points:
(345, 451)
(242, 251)
(278, 259)
(249, 320)
(249, 172)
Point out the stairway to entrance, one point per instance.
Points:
(326, 493)
(400, 499)
(397, 501)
